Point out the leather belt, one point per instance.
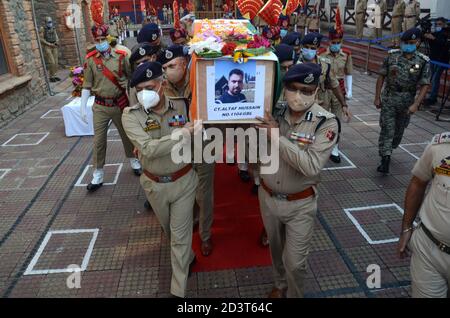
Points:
(289, 197)
(410, 16)
(396, 16)
(105, 101)
(171, 178)
(444, 248)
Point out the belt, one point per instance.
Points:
(410, 16)
(171, 178)
(396, 16)
(444, 248)
(104, 101)
(289, 197)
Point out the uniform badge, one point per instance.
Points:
(154, 36)
(301, 138)
(413, 37)
(444, 168)
(169, 54)
(309, 116)
(316, 41)
(99, 67)
(142, 51)
(99, 32)
(149, 73)
(330, 135)
(177, 34)
(151, 124)
(309, 79)
(297, 42)
(177, 121)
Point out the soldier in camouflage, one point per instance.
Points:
(402, 71)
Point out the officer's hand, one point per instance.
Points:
(190, 127)
(347, 114)
(377, 103)
(136, 152)
(402, 248)
(413, 108)
(269, 124)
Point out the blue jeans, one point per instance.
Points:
(436, 72)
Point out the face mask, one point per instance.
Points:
(335, 48)
(408, 48)
(438, 29)
(102, 47)
(299, 102)
(49, 24)
(283, 33)
(148, 99)
(309, 54)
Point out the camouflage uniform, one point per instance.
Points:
(402, 77)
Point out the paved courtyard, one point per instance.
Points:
(49, 221)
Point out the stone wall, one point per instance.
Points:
(21, 44)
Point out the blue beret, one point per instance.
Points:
(146, 72)
(304, 73)
(411, 34)
(312, 38)
(149, 33)
(142, 49)
(292, 38)
(284, 53)
(172, 52)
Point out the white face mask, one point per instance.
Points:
(148, 99)
(299, 102)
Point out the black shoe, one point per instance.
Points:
(384, 166)
(147, 205)
(137, 172)
(94, 187)
(335, 159)
(57, 79)
(53, 80)
(255, 189)
(244, 175)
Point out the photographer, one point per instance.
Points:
(439, 51)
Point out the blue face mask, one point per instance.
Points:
(49, 24)
(102, 47)
(408, 48)
(283, 33)
(335, 48)
(438, 29)
(309, 54)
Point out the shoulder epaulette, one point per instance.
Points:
(127, 110)
(346, 50)
(426, 58)
(443, 138)
(394, 51)
(325, 59)
(91, 54)
(121, 52)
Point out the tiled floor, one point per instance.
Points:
(39, 192)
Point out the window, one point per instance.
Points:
(3, 58)
(350, 4)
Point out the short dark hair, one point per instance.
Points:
(442, 19)
(237, 72)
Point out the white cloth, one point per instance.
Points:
(73, 123)
(378, 15)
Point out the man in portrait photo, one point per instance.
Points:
(235, 86)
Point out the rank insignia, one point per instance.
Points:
(309, 116)
(177, 121)
(330, 135)
(151, 124)
(302, 138)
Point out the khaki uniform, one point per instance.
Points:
(380, 12)
(292, 21)
(341, 65)
(301, 23)
(290, 224)
(103, 87)
(360, 17)
(313, 24)
(50, 41)
(205, 171)
(172, 202)
(412, 15)
(430, 267)
(327, 80)
(398, 13)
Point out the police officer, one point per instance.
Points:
(360, 17)
(174, 61)
(106, 72)
(430, 242)
(170, 187)
(380, 16)
(412, 15)
(288, 198)
(398, 13)
(328, 80)
(301, 21)
(50, 41)
(313, 23)
(402, 71)
(294, 39)
(341, 68)
(152, 34)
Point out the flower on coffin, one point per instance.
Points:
(228, 48)
(208, 45)
(258, 41)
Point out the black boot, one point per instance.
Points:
(384, 166)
